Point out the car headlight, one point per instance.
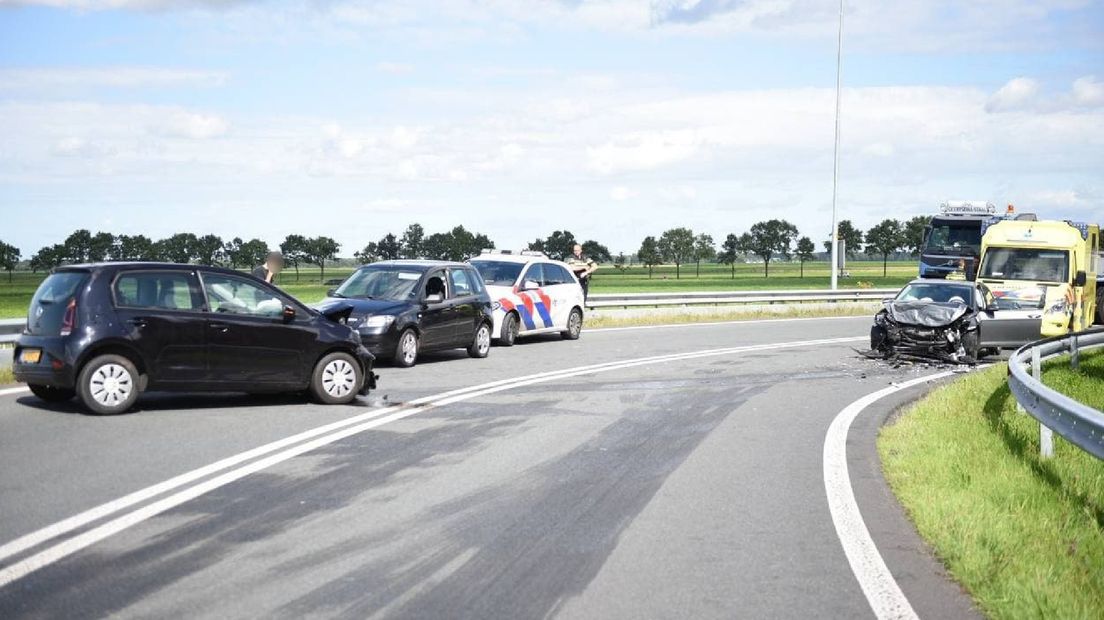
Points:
(378, 321)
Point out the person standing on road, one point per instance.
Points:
(583, 266)
(273, 265)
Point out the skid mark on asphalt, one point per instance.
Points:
(522, 548)
(210, 529)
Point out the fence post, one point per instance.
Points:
(1046, 436)
(1075, 353)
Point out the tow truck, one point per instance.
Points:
(953, 236)
(1043, 275)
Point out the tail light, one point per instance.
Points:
(69, 323)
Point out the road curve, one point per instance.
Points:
(690, 487)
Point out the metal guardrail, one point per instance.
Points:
(1078, 423)
(10, 329)
(715, 298)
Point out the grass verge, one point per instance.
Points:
(6, 375)
(1085, 385)
(600, 320)
(1025, 536)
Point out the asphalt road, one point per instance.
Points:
(680, 489)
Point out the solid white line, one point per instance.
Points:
(881, 589)
(15, 390)
(733, 322)
(67, 547)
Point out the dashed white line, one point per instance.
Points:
(881, 589)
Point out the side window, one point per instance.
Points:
(232, 295)
(476, 280)
(435, 284)
(534, 273)
(555, 274)
(461, 283)
(165, 290)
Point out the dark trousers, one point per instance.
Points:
(585, 283)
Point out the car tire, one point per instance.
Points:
(481, 343)
(52, 394)
(574, 325)
(510, 330)
(406, 349)
(108, 385)
(336, 379)
(877, 337)
(971, 343)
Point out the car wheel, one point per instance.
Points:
(574, 325)
(406, 351)
(52, 394)
(108, 385)
(510, 330)
(971, 343)
(481, 345)
(877, 337)
(336, 379)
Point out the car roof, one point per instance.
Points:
(512, 258)
(133, 265)
(943, 282)
(418, 263)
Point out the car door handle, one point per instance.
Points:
(138, 322)
(221, 327)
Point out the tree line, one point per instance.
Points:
(765, 241)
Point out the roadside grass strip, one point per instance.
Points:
(1085, 385)
(6, 376)
(1024, 535)
(604, 319)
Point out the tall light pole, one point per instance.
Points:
(835, 153)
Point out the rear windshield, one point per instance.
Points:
(497, 272)
(50, 301)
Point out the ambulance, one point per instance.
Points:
(1043, 275)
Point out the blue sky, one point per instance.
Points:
(615, 119)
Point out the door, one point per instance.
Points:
(438, 315)
(463, 294)
(1010, 325)
(535, 307)
(564, 293)
(249, 342)
(162, 312)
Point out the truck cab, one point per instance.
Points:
(1044, 270)
(953, 238)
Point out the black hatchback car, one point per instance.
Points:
(404, 307)
(107, 332)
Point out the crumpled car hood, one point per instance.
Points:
(924, 313)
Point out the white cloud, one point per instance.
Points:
(1017, 93)
(1088, 92)
(394, 68)
(34, 79)
(194, 125)
(621, 193)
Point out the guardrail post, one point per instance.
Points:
(1075, 353)
(1046, 436)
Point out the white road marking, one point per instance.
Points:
(348, 428)
(16, 390)
(881, 589)
(714, 323)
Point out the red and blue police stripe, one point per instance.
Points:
(529, 304)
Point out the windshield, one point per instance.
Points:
(1032, 265)
(942, 293)
(381, 282)
(954, 238)
(498, 273)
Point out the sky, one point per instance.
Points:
(614, 119)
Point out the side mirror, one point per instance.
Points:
(435, 298)
(1080, 279)
(993, 307)
(331, 292)
(288, 314)
(529, 285)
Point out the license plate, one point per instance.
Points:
(30, 356)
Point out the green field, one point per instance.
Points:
(16, 296)
(1024, 535)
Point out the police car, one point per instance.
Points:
(531, 294)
